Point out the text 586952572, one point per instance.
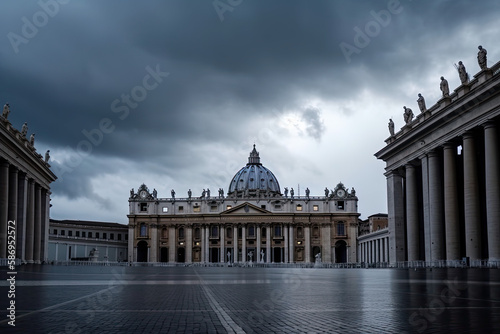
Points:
(11, 250)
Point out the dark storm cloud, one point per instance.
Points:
(225, 77)
(314, 125)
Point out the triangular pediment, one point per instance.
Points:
(245, 209)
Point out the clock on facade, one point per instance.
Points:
(340, 192)
(143, 194)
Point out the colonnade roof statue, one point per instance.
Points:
(444, 87)
(22, 135)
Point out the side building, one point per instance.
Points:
(25, 179)
(78, 240)
(373, 239)
(255, 222)
(443, 183)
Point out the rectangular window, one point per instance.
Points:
(214, 232)
(228, 207)
(143, 232)
(77, 233)
(213, 208)
(299, 207)
(277, 231)
(70, 233)
(340, 205)
(340, 229)
(104, 235)
(251, 231)
(126, 236)
(84, 234)
(90, 234)
(55, 231)
(97, 235)
(112, 236)
(119, 236)
(181, 208)
(196, 208)
(315, 208)
(164, 209)
(263, 206)
(63, 232)
(144, 206)
(277, 206)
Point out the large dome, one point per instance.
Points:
(254, 180)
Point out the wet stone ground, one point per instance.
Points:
(58, 299)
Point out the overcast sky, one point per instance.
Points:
(174, 94)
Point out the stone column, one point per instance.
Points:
(412, 234)
(372, 251)
(30, 225)
(326, 243)
(223, 256)
(38, 224)
(235, 243)
(307, 235)
(131, 237)
(426, 207)
(172, 241)
(285, 240)
(45, 224)
(189, 243)
(395, 203)
(244, 257)
(471, 199)
(492, 175)
(291, 242)
(268, 243)
(436, 204)
(387, 259)
(12, 198)
(259, 242)
(4, 207)
(22, 206)
(153, 247)
(202, 243)
(206, 243)
(451, 208)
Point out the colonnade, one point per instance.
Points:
(24, 203)
(374, 250)
(234, 243)
(446, 203)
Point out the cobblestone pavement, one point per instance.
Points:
(56, 299)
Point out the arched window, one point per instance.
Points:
(229, 233)
(300, 232)
(197, 233)
(181, 233)
(164, 233)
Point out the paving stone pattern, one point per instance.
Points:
(56, 299)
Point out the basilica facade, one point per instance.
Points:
(254, 222)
